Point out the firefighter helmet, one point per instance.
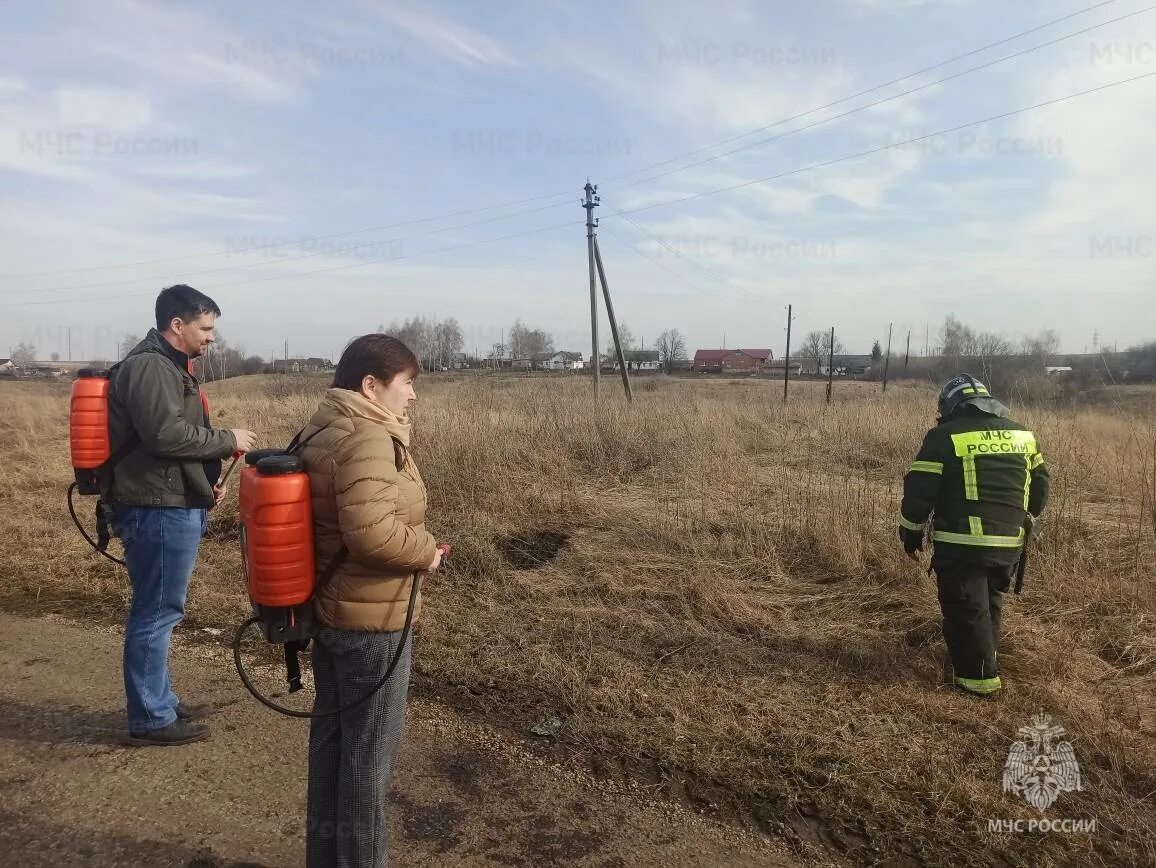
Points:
(966, 389)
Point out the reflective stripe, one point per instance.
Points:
(1028, 480)
(970, 483)
(1036, 461)
(967, 390)
(910, 525)
(982, 686)
(988, 541)
(928, 466)
(975, 525)
(999, 441)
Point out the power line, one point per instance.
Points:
(319, 270)
(639, 170)
(662, 241)
(567, 193)
(887, 99)
(842, 100)
(688, 281)
(687, 198)
(887, 147)
(229, 268)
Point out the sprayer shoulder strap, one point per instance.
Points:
(131, 442)
(332, 567)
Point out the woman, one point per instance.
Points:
(369, 506)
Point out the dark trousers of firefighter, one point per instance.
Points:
(971, 599)
(351, 755)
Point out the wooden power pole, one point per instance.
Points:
(613, 323)
(887, 359)
(830, 364)
(787, 359)
(590, 204)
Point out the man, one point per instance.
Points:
(983, 478)
(161, 480)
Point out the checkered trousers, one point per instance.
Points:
(351, 755)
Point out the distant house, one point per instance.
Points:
(563, 360)
(7, 368)
(848, 366)
(636, 360)
(777, 366)
(302, 366)
(731, 361)
(1058, 370)
(523, 363)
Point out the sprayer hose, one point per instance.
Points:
(83, 532)
(308, 715)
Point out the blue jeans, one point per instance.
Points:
(160, 550)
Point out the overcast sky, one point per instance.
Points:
(132, 132)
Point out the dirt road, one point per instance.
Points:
(74, 794)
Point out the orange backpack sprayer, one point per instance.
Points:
(92, 455)
(276, 517)
(91, 452)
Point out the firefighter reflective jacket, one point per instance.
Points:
(979, 474)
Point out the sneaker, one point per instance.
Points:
(177, 732)
(194, 712)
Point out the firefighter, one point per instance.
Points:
(980, 477)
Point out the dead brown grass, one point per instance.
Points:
(706, 589)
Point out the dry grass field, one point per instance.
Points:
(706, 592)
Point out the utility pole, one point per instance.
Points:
(830, 364)
(613, 324)
(887, 360)
(787, 359)
(70, 343)
(907, 355)
(590, 204)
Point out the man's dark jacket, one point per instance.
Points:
(173, 456)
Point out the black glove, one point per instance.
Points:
(912, 540)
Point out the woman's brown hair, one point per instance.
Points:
(381, 355)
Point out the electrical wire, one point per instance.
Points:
(319, 270)
(639, 170)
(857, 109)
(691, 197)
(887, 147)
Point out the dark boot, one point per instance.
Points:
(176, 733)
(194, 712)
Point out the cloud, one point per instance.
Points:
(450, 39)
(109, 108)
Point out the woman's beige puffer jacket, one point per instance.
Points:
(367, 493)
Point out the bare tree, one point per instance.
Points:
(526, 343)
(812, 349)
(1040, 346)
(624, 335)
(671, 346)
(448, 340)
(128, 344)
(24, 354)
(829, 351)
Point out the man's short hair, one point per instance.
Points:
(184, 302)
